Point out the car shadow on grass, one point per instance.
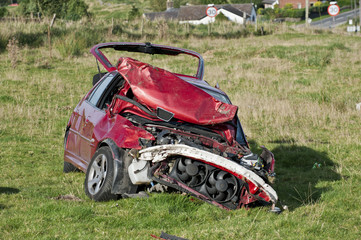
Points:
(8, 190)
(299, 170)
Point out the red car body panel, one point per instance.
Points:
(93, 126)
(156, 87)
(121, 131)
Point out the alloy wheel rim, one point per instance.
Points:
(97, 174)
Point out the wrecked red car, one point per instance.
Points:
(141, 125)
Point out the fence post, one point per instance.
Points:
(306, 14)
(112, 25)
(244, 19)
(49, 34)
(359, 23)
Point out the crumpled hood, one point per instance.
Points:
(156, 87)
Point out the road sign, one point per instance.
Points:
(333, 10)
(211, 11)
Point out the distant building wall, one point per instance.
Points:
(296, 3)
(204, 20)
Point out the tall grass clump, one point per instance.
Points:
(3, 42)
(13, 51)
(75, 43)
(29, 34)
(312, 56)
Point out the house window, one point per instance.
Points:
(299, 5)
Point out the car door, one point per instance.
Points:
(91, 111)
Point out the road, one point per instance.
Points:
(339, 19)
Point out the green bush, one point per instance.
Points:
(27, 7)
(288, 6)
(4, 2)
(158, 5)
(290, 12)
(32, 39)
(76, 10)
(342, 3)
(67, 9)
(134, 13)
(3, 42)
(3, 12)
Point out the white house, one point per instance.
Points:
(270, 3)
(196, 14)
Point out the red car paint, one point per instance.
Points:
(156, 87)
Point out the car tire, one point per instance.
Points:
(99, 176)
(68, 167)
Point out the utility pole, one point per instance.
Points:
(355, 5)
(359, 23)
(306, 16)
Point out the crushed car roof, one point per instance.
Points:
(158, 88)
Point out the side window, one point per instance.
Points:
(98, 91)
(109, 93)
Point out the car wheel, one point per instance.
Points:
(68, 167)
(99, 176)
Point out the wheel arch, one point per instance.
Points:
(121, 181)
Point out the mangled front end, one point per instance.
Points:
(208, 176)
(195, 149)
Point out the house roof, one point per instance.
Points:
(239, 9)
(197, 12)
(269, 1)
(170, 14)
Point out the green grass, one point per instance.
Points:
(296, 93)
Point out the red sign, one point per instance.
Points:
(333, 10)
(211, 11)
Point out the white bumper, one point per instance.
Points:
(160, 153)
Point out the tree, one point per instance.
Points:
(76, 9)
(158, 5)
(3, 12)
(4, 2)
(67, 9)
(133, 13)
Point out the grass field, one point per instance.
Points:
(296, 92)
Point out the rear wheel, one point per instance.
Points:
(99, 176)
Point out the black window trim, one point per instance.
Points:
(106, 90)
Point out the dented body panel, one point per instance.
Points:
(156, 87)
